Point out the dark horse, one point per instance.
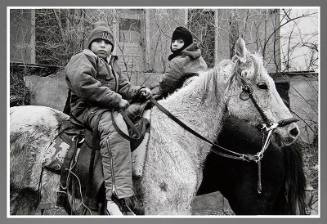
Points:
(283, 180)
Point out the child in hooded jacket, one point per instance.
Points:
(184, 61)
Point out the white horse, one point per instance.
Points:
(174, 157)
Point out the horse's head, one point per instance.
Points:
(250, 84)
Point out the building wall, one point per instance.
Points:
(22, 36)
(303, 94)
(223, 27)
(130, 41)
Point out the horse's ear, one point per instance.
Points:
(240, 50)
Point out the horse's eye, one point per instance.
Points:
(262, 85)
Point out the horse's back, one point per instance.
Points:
(37, 116)
(33, 127)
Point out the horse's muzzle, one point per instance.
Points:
(286, 135)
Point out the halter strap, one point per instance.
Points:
(249, 90)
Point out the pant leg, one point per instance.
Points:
(116, 155)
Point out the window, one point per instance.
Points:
(129, 30)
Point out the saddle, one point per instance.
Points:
(81, 171)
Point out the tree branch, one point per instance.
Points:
(278, 28)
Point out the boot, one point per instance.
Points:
(113, 209)
(128, 205)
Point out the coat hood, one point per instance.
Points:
(193, 51)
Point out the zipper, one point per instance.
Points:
(111, 63)
(112, 169)
(110, 69)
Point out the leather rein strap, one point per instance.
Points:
(130, 124)
(223, 151)
(232, 154)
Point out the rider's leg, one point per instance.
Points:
(116, 159)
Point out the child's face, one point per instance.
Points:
(101, 48)
(177, 44)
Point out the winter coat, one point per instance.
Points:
(94, 83)
(179, 67)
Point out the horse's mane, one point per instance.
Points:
(258, 64)
(210, 79)
(295, 181)
(227, 70)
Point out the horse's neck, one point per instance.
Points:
(200, 105)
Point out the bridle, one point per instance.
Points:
(267, 128)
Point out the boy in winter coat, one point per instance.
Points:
(185, 59)
(98, 92)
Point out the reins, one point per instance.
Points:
(223, 151)
(138, 134)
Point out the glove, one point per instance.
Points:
(123, 104)
(145, 92)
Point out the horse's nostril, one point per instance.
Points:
(294, 132)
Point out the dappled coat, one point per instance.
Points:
(94, 84)
(179, 68)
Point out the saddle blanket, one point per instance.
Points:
(55, 154)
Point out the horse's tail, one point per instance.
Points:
(295, 181)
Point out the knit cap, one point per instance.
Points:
(184, 34)
(100, 31)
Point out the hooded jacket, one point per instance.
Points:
(188, 61)
(95, 83)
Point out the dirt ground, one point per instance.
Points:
(211, 204)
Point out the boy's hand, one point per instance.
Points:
(146, 93)
(123, 104)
